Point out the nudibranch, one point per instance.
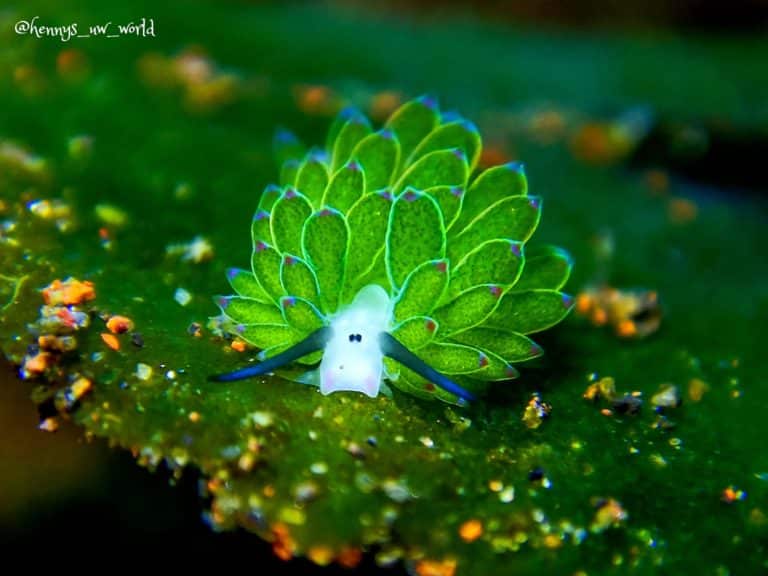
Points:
(385, 258)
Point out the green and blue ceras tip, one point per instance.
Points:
(382, 257)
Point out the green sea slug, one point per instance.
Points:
(384, 258)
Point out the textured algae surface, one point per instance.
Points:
(446, 489)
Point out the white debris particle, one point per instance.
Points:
(262, 419)
(319, 468)
(171, 375)
(182, 296)
(507, 495)
(397, 491)
(427, 441)
(196, 251)
(143, 371)
(306, 492)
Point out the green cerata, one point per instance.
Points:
(384, 258)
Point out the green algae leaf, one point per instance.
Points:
(415, 332)
(288, 216)
(298, 279)
(301, 315)
(454, 358)
(495, 369)
(268, 198)
(530, 311)
(468, 309)
(412, 122)
(514, 218)
(265, 262)
(489, 187)
(461, 134)
(346, 187)
(415, 234)
(344, 116)
(444, 167)
(312, 177)
(244, 283)
(248, 311)
(287, 146)
(379, 154)
(510, 346)
(411, 383)
(325, 241)
(368, 219)
(289, 171)
(493, 262)
(260, 225)
(351, 133)
(266, 336)
(545, 267)
(422, 289)
(449, 198)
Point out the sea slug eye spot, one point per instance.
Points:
(351, 337)
(358, 337)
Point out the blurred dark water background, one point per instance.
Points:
(56, 488)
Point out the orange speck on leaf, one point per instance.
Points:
(81, 387)
(493, 156)
(471, 530)
(320, 555)
(119, 324)
(49, 425)
(72, 63)
(626, 329)
(384, 103)
(696, 389)
(283, 544)
(315, 100)
(583, 303)
(599, 317)
(238, 345)
(38, 363)
(657, 181)
(732, 494)
(110, 340)
(553, 541)
(682, 210)
(445, 567)
(349, 557)
(194, 417)
(70, 291)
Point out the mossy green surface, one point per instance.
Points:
(344, 471)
